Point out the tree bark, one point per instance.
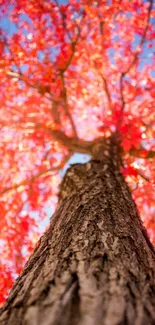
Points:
(95, 264)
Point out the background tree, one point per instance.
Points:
(70, 74)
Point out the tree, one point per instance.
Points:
(78, 63)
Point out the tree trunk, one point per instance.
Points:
(95, 265)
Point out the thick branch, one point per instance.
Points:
(74, 144)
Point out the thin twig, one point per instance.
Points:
(136, 54)
(105, 85)
(41, 174)
(107, 91)
(142, 39)
(73, 42)
(138, 153)
(121, 92)
(40, 89)
(64, 94)
(143, 176)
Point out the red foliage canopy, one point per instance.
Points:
(70, 73)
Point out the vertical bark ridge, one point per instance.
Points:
(95, 264)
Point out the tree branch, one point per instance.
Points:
(41, 90)
(136, 54)
(73, 45)
(62, 71)
(143, 176)
(121, 92)
(66, 109)
(107, 91)
(142, 39)
(105, 85)
(41, 174)
(142, 153)
(73, 42)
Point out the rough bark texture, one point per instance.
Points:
(95, 264)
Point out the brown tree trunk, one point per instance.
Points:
(95, 264)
